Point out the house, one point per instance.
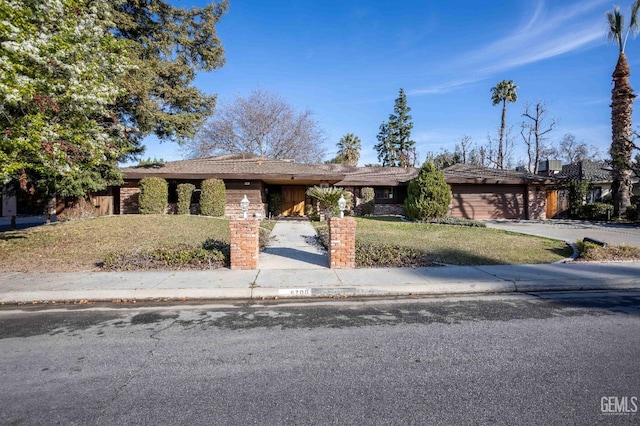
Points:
(478, 192)
(597, 173)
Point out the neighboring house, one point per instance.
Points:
(597, 173)
(478, 193)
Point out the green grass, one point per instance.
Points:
(461, 245)
(80, 245)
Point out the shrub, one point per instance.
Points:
(596, 211)
(213, 198)
(632, 213)
(275, 203)
(328, 198)
(578, 191)
(368, 205)
(428, 195)
(212, 254)
(594, 252)
(459, 221)
(154, 195)
(79, 209)
(311, 213)
(185, 191)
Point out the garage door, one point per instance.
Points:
(488, 201)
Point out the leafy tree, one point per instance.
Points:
(395, 147)
(349, 149)
(262, 124)
(622, 97)
(428, 195)
(60, 73)
(168, 45)
(503, 92)
(534, 131)
(444, 158)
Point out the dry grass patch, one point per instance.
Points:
(596, 253)
(461, 245)
(81, 245)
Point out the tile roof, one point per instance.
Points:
(374, 176)
(248, 166)
(239, 166)
(467, 173)
(594, 171)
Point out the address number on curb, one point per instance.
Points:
(295, 292)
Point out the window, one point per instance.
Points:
(384, 193)
(595, 195)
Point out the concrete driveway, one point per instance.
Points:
(572, 230)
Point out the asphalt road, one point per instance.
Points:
(525, 359)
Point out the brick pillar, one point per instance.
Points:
(342, 242)
(244, 243)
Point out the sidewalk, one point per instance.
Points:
(294, 266)
(287, 283)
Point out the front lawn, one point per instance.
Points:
(81, 245)
(458, 245)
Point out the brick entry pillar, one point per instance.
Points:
(342, 243)
(244, 243)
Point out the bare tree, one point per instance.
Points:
(572, 151)
(500, 158)
(534, 132)
(464, 146)
(262, 124)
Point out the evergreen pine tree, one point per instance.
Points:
(395, 147)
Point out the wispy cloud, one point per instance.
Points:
(548, 32)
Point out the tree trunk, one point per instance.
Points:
(622, 143)
(501, 141)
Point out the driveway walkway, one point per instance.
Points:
(572, 230)
(293, 245)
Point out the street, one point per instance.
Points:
(547, 358)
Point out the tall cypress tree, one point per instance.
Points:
(395, 147)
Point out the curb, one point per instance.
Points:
(262, 293)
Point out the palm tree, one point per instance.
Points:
(349, 149)
(503, 92)
(621, 109)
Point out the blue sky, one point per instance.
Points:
(345, 60)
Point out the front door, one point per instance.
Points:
(552, 203)
(293, 200)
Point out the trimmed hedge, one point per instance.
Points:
(596, 211)
(368, 205)
(213, 198)
(185, 191)
(154, 195)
